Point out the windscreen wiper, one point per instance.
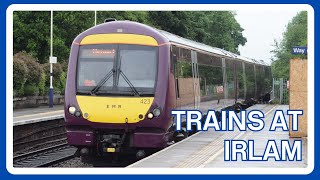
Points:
(103, 80)
(136, 93)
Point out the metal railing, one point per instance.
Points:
(280, 91)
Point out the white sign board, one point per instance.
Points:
(53, 60)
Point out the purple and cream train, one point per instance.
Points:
(124, 78)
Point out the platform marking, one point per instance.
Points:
(237, 137)
(39, 114)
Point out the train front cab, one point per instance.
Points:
(117, 89)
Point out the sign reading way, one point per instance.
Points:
(299, 50)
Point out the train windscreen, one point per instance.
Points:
(117, 69)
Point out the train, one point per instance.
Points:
(124, 78)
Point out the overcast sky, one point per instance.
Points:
(260, 29)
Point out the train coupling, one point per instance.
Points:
(111, 143)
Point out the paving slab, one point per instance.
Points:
(33, 115)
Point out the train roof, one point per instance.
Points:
(183, 41)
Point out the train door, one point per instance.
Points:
(184, 80)
(196, 79)
(174, 63)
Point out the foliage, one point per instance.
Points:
(42, 85)
(32, 29)
(64, 65)
(31, 32)
(215, 28)
(20, 72)
(28, 76)
(137, 16)
(34, 68)
(59, 78)
(62, 80)
(31, 90)
(295, 35)
(32, 35)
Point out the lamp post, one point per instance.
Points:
(95, 17)
(52, 60)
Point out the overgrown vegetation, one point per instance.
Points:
(32, 39)
(30, 78)
(295, 35)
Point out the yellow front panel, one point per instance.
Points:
(114, 109)
(119, 39)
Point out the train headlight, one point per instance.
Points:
(156, 112)
(150, 115)
(86, 115)
(72, 110)
(77, 113)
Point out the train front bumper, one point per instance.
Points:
(82, 138)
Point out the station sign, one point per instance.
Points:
(53, 60)
(299, 50)
(219, 89)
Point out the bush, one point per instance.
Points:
(64, 65)
(31, 78)
(20, 72)
(63, 79)
(57, 71)
(34, 68)
(42, 85)
(31, 90)
(27, 75)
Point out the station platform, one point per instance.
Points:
(33, 115)
(206, 149)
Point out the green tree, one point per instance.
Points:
(31, 32)
(32, 28)
(67, 25)
(137, 16)
(176, 22)
(221, 29)
(20, 72)
(214, 28)
(295, 35)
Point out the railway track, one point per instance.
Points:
(33, 136)
(45, 157)
(41, 144)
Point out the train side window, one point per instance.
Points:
(250, 80)
(174, 60)
(184, 75)
(211, 77)
(240, 80)
(230, 71)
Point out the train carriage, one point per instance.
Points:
(124, 78)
